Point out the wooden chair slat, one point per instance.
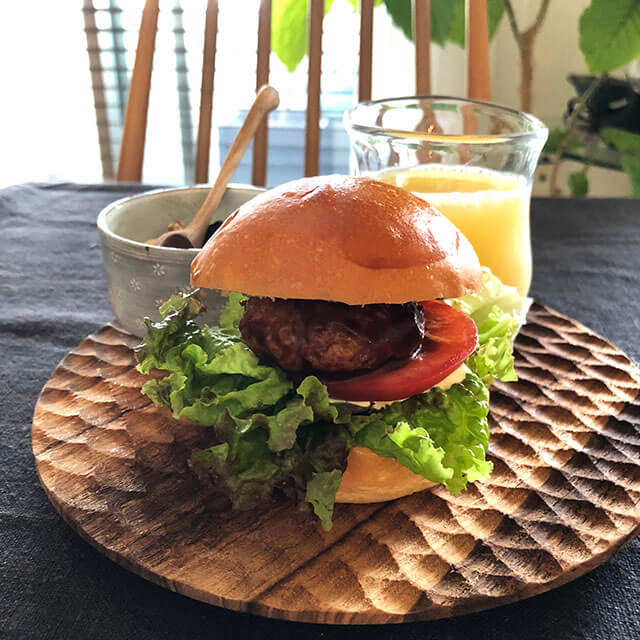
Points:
(134, 130)
(478, 87)
(366, 50)
(421, 15)
(312, 138)
(135, 122)
(203, 143)
(260, 142)
(95, 67)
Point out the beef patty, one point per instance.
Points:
(299, 335)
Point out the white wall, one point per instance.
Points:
(556, 55)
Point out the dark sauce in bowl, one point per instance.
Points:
(211, 229)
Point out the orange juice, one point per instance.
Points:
(490, 208)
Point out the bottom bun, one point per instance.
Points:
(372, 478)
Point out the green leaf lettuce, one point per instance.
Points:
(498, 311)
(272, 434)
(441, 435)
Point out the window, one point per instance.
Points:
(173, 115)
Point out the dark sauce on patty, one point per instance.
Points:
(316, 335)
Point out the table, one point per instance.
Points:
(53, 293)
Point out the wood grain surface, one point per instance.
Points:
(564, 495)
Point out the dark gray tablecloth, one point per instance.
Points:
(53, 293)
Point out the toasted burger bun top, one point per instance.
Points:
(339, 238)
(372, 478)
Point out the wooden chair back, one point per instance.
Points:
(134, 131)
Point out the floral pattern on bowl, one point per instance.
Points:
(140, 277)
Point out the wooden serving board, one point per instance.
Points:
(564, 495)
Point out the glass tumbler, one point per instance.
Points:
(471, 160)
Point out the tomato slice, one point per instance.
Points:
(450, 337)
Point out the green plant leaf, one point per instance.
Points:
(457, 33)
(579, 183)
(610, 34)
(495, 12)
(355, 4)
(289, 36)
(447, 19)
(631, 165)
(555, 138)
(400, 12)
(289, 31)
(553, 141)
(442, 13)
(622, 140)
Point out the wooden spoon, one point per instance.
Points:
(192, 235)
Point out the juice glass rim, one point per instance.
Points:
(537, 129)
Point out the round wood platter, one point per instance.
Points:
(564, 494)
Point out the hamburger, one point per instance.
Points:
(353, 358)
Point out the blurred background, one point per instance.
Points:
(65, 69)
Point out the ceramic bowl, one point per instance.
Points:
(141, 276)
